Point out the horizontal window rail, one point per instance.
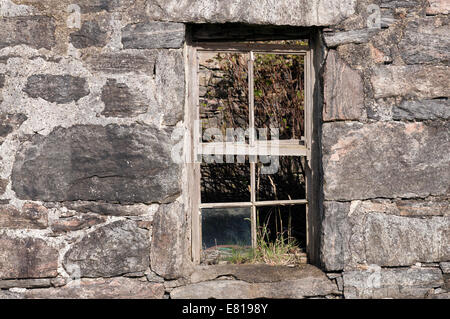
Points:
(257, 203)
(254, 47)
(274, 148)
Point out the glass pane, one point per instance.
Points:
(225, 182)
(280, 178)
(282, 222)
(279, 94)
(225, 231)
(223, 94)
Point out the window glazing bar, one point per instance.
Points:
(259, 148)
(270, 48)
(256, 203)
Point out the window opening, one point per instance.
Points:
(251, 142)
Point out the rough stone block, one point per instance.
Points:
(426, 41)
(3, 184)
(256, 281)
(113, 163)
(282, 12)
(423, 207)
(168, 251)
(365, 233)
(153, 35)
(436, 109)
(419, 81)
(166, 69)
(56, 88)
(254, 273)
(389, 240)
(31, 216)
(72, 223)
(170, 84)
(25, 283)
(35, 31)
(438, 7)
(7, 294)
(445, 267)
(354, 36)
(343, 90)
(107, 209)
(403, 207)
(120, 101)
(335, 233)
(103, 288)
(27, 258)
(9, 123)
(445, 295)
(399, 3)
(111, 250)
(385, 159)
(391, 283)
(90, 35)
(95, 6)
(122, 62)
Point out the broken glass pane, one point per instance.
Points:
(223, 94)
(279, 94)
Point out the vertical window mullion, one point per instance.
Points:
(253, 200)
(251, 100)
(252, 133)
(308, 106)
(194, 167)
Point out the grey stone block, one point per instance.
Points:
(25, 283)
(120, 101)
(122, 62)
(111, 250)
(34, 31)
(334, 39)
(153, 35)
(343, 90)
(364, 233)
(281, 12)
(90, 35)
(437, 109)
(287, 283)
(168, 250)
(102, 288)
(9, 123)
(391, 283)
(385, 159)
(426, 41)
(417, 81)
(58, 89)
(117, 164)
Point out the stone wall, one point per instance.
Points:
(92, 106)
(88, 184)
(386, 151)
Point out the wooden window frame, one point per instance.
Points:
(196, 147)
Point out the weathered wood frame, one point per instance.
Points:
(195, 147)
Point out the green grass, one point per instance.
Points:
(241, 255)
(283, 251)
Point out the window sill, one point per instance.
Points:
(257, 281)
